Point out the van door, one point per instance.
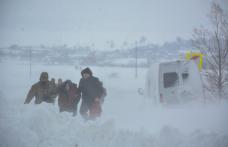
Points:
(169, 81)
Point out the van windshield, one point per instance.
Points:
(170, 79)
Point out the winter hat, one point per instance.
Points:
(44, 76)
(87, 70)
(68, 82)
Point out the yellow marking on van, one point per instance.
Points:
(193, 56)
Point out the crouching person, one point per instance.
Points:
(92, 95)
(68, 97)
(43, 91)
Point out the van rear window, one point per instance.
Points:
(170, 79)
(185, 76)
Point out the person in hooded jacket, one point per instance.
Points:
(43, 91)
(68, 97)
(92, 92)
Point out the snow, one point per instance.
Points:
(128, 120)
(129, 61)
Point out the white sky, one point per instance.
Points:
(71, 22)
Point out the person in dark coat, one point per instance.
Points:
(43, 91)
(68, 97)
(92, 91)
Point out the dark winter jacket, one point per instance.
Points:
(90, 89)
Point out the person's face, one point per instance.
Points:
(44, 78)
(85, 75)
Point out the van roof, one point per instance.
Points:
(173, 66)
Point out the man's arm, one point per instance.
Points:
(53, 92)
(30, 95)
(99, 88)
(80, 85)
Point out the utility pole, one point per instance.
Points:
(136, 61)
(30, 63)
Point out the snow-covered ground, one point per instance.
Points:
(128, 120)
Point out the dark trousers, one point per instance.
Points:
(84, 110)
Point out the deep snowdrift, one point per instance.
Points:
(128, 119)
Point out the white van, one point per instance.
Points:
(174, 82)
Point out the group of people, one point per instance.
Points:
(90, 90)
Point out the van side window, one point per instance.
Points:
(170, 79)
